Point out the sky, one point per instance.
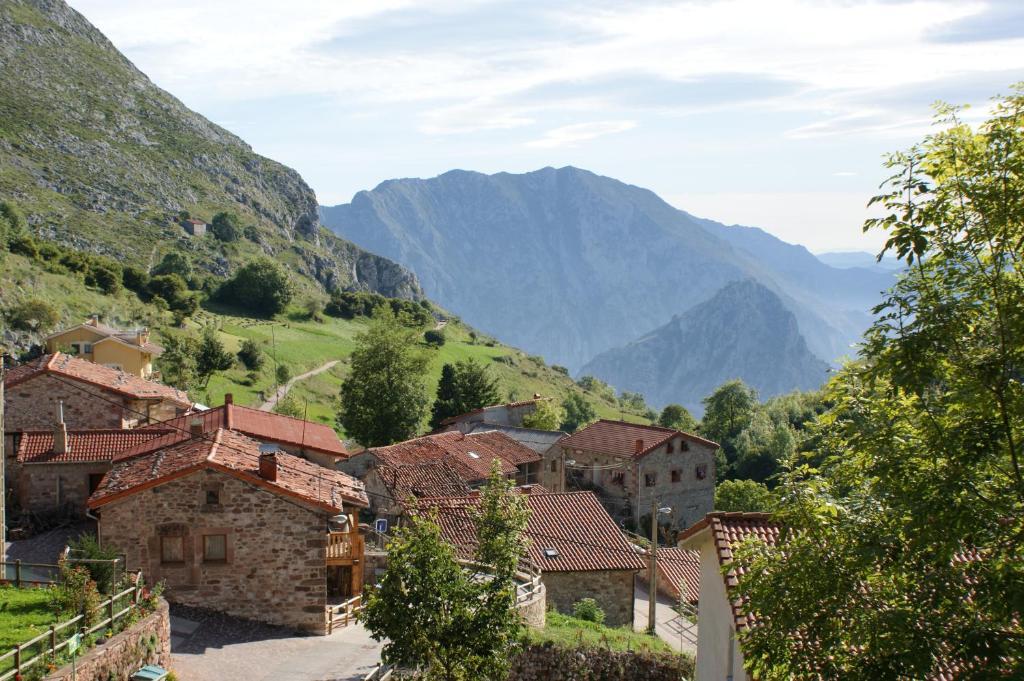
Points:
(771, 113)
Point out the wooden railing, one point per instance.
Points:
(341, 615)
(59, 636)
(29, 574)
(344, 546)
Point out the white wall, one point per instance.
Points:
(715, 628)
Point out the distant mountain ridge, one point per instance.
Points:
(743, 331)
(569, 264)
(101, 159)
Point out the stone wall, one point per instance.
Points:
(32, 405)
(551, 663)
(613, 591)
(275, 570)
(534, 611)
(52, 487)
(148, 641)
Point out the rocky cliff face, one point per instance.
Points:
(744, 331)
(99, 157)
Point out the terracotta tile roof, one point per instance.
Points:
(262, 425)
(727, 532)
(130, 340)
(469, 455)
(539, 441)
(112, 380)
(83, 445)
(620, 438)
(681, 570)
(569, 532)
(235, 454)
(437, 479)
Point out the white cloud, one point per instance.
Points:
(569, 135)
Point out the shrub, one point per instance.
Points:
(251, 355)
(587, 609)
(76, 594)
(33, 314)
(282, 373)
(434, 337)
(104, 574)
(560, 369)
(225, 226)
(23, 244)
(261, 286)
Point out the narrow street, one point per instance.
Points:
(672, 628)
(283, 390)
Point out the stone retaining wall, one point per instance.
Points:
(551, 663)
(148, 641)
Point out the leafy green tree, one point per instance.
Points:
(578, 412)
(762, 448)
(106, 276)
(598, 387)
(171, 287)
(34, 314)
(464, 386)
(174, 262)
(212, 356)
(743, 495)
(633, 401)
(428, 610)
(901, 556)
(289, 406)
(546, 415)
(384, 397)
(226, 226)
(434, 337)
(251, 355)
(679, 417)
(282, 374)
(260, 286)
(727, 412)
(177, 363)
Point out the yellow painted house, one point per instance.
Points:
(131, 352)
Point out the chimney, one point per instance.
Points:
(229, 398)
(195, 427)
(268, 463)
(639, 446)
(60, 432)
(142, 336)
(94, 320)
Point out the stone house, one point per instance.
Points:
(194, 227)
(719, 654)
(544, 442)
(631, 466)
(130, 352)
(467, 458)
(508, 414)
(231, 525)
(580, 551)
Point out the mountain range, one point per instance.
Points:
(569, 264)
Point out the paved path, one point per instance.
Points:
(283, 390)
(678, 632)
(212, 647)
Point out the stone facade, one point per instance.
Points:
(148, 641)
(53, 487)
(274, 568)
(612, 589)
(33, 405)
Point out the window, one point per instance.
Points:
(172, 549)
(212, 497)
(684, 446)
(650, 479)
(87, 348)
(215, 548)
(670, 447)
(700, 471)
(554, 465)
(677, 475)
(618, 477)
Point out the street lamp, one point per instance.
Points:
(652, 577)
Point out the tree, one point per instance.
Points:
(677, 416)
(174, 262)
(174, 291)
(762, 448)
(743, 495)
(178, 361)
(464, 386)
(260, 286)
(34, 314)
(578, 412)
(282, 374)
(633, 401)
(434, 337)
(901, 555)
(384, 398)
(289, 406)
(429, 611)
(251, 355)
(226, 226)
(598, 387)
(546, 415)
(212, 357)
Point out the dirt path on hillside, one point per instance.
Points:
(283, 390)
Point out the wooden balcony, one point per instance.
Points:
(344, 548)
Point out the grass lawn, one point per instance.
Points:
(24, 614)
(569, 632)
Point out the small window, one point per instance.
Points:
(554, 465)
(700, 471)
(684, 446)
(172, 549)
(87, 348)
(650, 479)
(215, 548)
(618, 477)
(670, 447)
(677, 475)
(212, 497)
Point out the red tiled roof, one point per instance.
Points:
(113, 380)
(728, 531)
(469, 455)
(262, 425)
(619, 438)
(83, 445)
(129, 340)
(569, 532)
(235, 454)
(437, 479)
(681, 569)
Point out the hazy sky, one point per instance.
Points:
(774, 113)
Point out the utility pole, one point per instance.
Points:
(652, 580)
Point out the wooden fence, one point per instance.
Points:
(341, 615)
(29, 574)
(49, 643)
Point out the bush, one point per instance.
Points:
(352, 304)
(261, 286)
(560, 369)
(76, 594)
(282, 373)
(33, 314)
(225, 226)
(23, 244)
(434, 337)
(251, 355)
(104, 574)
(587, 609)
